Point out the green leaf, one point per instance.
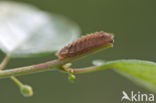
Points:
(139, 71)
(27, 31)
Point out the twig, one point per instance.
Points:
(49, 66)
(4, 62)
(54, 64)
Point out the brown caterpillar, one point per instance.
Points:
(85, 44)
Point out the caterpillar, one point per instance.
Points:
(85, 44)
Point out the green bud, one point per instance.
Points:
(71, 77)
(26, 90)
(67, 65)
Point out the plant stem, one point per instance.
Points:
(3, 65)
(54, 64)
(49, 66)
(92, 68)
(34, 68)
(39, 67)
(4, 62)
(16, 81)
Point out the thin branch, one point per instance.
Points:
(89, 69)
(81, 70)
(58, 63)
(28, 69)
(35, 68)
(54, 64)
(95, 68)
(4, 62)
(19, 83)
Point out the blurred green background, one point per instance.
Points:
(132, 21)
